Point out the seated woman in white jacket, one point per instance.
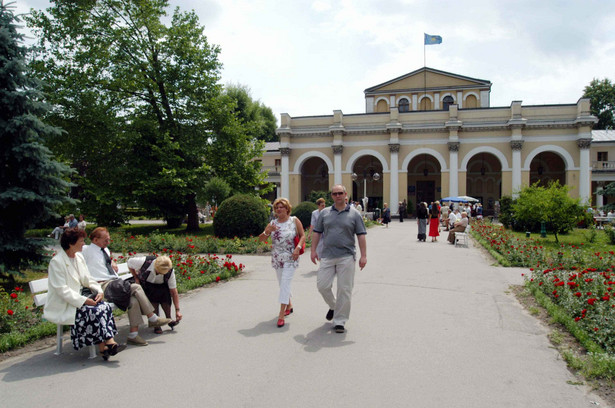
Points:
(90, 318)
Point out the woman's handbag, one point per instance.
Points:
(296, 241)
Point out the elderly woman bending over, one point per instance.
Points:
(284, 253)
(90, 318)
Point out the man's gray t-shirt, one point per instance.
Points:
(339, 229)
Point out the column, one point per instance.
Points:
(599, 198)
(584, 171)
(394, 189)
(285, 176)
(337, 164)
(453, 152)
(516, 146)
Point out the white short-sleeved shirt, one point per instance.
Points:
(137, 262)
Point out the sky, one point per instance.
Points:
(310, 57)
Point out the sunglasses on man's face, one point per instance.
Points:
(336, 193)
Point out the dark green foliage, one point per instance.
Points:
(550, 205)
(303, 211)
(315, 195)
(240, 216)
(602, 96)
(506, 213)
(32, 184)
(609, 191)
(259, 120)
(215, 191)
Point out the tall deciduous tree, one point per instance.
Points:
(32, 183)
(258, 118)
(602, 96)
(160, 83)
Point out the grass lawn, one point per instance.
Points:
(576, 237)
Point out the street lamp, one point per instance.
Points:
(374, 176)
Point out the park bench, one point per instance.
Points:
(39, 288)
(461, 238)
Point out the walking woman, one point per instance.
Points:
(434, 221)
(422, 214)
(284, 252)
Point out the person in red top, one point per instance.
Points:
(434, 221)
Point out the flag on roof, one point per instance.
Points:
(432, 39)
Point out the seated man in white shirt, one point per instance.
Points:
(453, 217)
(460, 226)
(102, 269)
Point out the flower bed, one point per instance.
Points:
(157, 242)
(580, 282)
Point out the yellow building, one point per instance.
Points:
(431, 134)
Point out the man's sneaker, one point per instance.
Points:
(161, 321)
(339, 329)
(329, 315)
(137, 341)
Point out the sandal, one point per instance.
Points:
(173, 324)
(113, 348)
(106, 353)
(157, 330)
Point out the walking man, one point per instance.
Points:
(337, 226)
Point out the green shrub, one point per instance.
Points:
(240, 216)
(303, 211)
(315, 195)
(506, 211)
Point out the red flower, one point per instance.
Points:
(591, 301)
(10, 312)
(578, 294)
(217, 278)
(13, 295)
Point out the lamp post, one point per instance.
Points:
(375, 177)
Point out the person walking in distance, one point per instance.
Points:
(337, 226)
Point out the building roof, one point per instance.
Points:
(603, 136)
(272, 146)
(468, 80)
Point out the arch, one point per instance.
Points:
(484, 149)
(403, 103)
(448, 94)
(308, 155)
(426, 96)
(560, 151)
(425, 150)
(382, 103)
(471, 94)
(366, 152)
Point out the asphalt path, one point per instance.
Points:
(431, 326)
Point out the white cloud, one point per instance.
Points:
(308, 57)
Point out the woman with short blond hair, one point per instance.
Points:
(284, 253)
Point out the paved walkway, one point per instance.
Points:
(431, 326)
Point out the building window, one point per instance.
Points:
(603, 156)
(447, 101)
(404, 105)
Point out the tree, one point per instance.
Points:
(216, 190)
(160, 84)
(602, 96)
(551, 205)
(32, 183)
(258, 118)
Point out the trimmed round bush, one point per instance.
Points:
(240, 216)
(303, 211)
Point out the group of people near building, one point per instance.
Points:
(333, 230)
(83, 281)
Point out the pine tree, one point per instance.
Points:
(32, 183)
